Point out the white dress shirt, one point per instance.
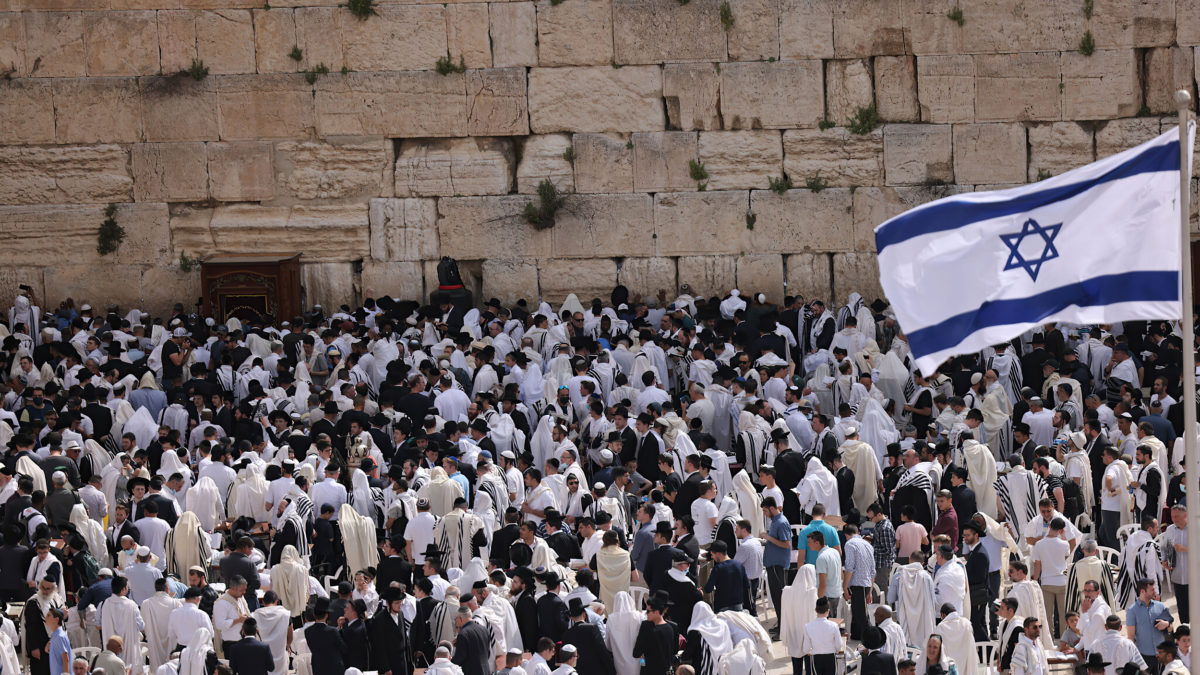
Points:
(329, 491)
(224, 615)
(184, 621)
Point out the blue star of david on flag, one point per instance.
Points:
(1031, 228)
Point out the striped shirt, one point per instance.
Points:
(860, 561)
(884, 543)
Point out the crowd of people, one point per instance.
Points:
(628, 486)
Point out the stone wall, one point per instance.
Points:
(380, 166)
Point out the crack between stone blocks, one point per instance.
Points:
(832, 279)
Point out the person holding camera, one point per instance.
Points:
(175, 354)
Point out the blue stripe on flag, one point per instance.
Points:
(955, 213)
(1148, 286)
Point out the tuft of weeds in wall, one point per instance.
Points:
(198, 71)
(1043, 174)
(188, 263)
(956, 15)
(540, 214)
(110, 236)
(296, 54)
(310, 75)
(696, 170)
(445, 65)
(346, 71)
(1088, 8)
(569, 155)
(361, 9)
(1144, 111)
(864, 120)
(726, 15)
(613, 62)
(1087, 44)
(751, 218)
(826, 124)
(779, 185)
(816, 183)
(629, 144)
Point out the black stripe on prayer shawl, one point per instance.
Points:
(1036, 490)
(917, 479)
(1075, 588)
(1126, 583)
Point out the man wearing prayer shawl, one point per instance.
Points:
(981, 475)
(613, 567)
(1140, 559)
(441, 492)
(798, 608)
(33, 626)
(1028, 594)
(460, 535)
(896, 642)
(997, 415)
(156, 611)
(818, 487)
(742, 661)
(958, 639)
(120, 616)
(187, 546)
(274, 627)
(911, 593)
(358, 537)
(1007, 366)
(289, 580)
(914, 488)
(1019, 492)
(1089, 568)
(950, 584)
(863, 461)
(707, 639)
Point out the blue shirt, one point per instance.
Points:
(466, 484)
(831, 539)
(643, 544)
(59, 644)
(728, 578)
(773, 554)
(1142, 617)
(95, 594)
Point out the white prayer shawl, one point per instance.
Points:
(749, 502)
(454, 533)
(981, 475)
(359, 536)
(714, 635)
(143, 427)
(206, 503)
(612, 571)
(624, 621)
(861, 459)
(950, 585)
(1091, 622)
(272, 629)
(193, 659)
(187, 545)
(742, 661)
(440, 491)
(896, 643)
(1018, 493)
(1140, 559)
(92, 533)
(1031, 602)
(557, 483)
(8, 655)
(109, 476)
(1139, 494)
(997, 418)
(497, 604)
(958, 642)
(156, 612)
(248, 496)
(27, 467)
(289, 580)
(720, 470)
(877, 429)
(744, 627)
(818, 487)
(915, 608)
(798, 603)
(120, 616)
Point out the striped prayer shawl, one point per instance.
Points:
(1140, 559)
(755, 444)
(1034, 490)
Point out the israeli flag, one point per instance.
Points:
(1097, 244)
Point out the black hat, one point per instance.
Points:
(778, 435)
(1096, 660)
(575, 607)
(520, 554)
(320, 606)
(1021, 427)
(136, 481)
(680, 556)
(893, 450)
(524, 574)
(432, 551)
(331, 408)
(873, 638)
(480, 584)
(551, 579)
(664, 528)
(479, 424)
(972, 525)
(391, 593)
(659, 601)
(878, 305)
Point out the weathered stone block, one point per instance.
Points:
(404, 229)
(177, 108)
(395, 279)
(1168, 69)
(693, 95)
(595, 99)
(805, 29)
(64, 174)
(54, 45)
(241, 172)
(741, 159)
(585, 278)
(477, 228)
(918, 154)
(800, 221)
(896, 88)
(317, 29)
(654, 31)
(98, 284)
(12, 51)
(468, 34)
(847, 88)
(603, 163)
(97, 110)
(700, 223)
(836, 155)
(807, 275)
(162, 286)
(245, 228)
(1119, 135)
(409, 105)
(856, 271)
(225, 41)
(26, 112)
(1000, 26)
(575, 33)
(873, 206)
(946, 86)
(496, 102)
(711, 276)
(337, 168)
(648, 276)
(661, 161)
(329, 284)
(604, 225)
(401, 37)
(169, 172)
(929, 31)
(754, 35)
(1101, 86)
(45, 233)
(510, 280)
(761, 273)
(1056, 148)
(989, 153)
(12, 278)
(1187, 23)
(1154, 21)
(274, 37)
(545, 157)
(121, 43)
(1011, 87)
(467, 166)
(514, 34)
(863, 28)
(264, 106)
(772, 95)
(176, 40)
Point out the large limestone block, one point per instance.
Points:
(400, 37)
(404, 229)
(741, 159)
(496, 102)
(98, 284)
(395, 279)
(946, 88)
(477, 228)
(1011, 87)
(800, 221)
(1059, 147)
(264, 106)
(317, 30)
(274, 37)
(55, 45)
(514, 34)
(603, 163)
(707, 276)
(590, 226)
(775, 95)
(754, 35)
(848, 87)
(121, 43)
(575, 33)
(412, 104)
(595, 99)
(169, 172)
(661, 161)
(241, 172)
(856, 271)
(1168, 69)
(510, 280)
(836, 155)
(468, 34)
(805, 29)
(343, 230)
(176, 39)
(545, 157)
(1101, 86)
(69, 174)
(466, 166)
(1187, 23)
(1120, 135)
(225, 41)
(12, 278)
(585, 278)
(1154, 21)
(989, 153)
(1003, 26)
(337, 168)
(26, 112)
(330, 284)
(12, 47)
(654, 31)
(807, 275)
(178, 108)
(863, 28)
(761, 273)
(693, 95)
(44, 233)
(918, 154)
(873, 206)
(703, 223)
(648, 276)
(896, 88)
(929, 31)
(97, 110)
(164, 286)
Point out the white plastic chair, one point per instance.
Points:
(1110, 556)
(639, 594)
(987, 655)
(89, 653)
(1124, 531)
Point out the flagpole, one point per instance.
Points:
(1183, 102)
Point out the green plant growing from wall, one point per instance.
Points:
(726, 15)
(540, 214)
(569, 155)
(188, 263)
(111, 234)
(779, 185)
(296, 54)
(1087, 44)
(446, 65)
(816, 183)
(198, 71)
(826, 124)
(956, 15)
(310, 75)
(1088, 8)
(751, 219)
(864, 120)
(361, 9)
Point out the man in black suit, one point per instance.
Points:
(523, 588)
(595, 658)
(689, 490)
(961, 494)
(1093, 430)
(1025, 446)
(121, 527)
(629, 440)
(563, 543)
(326, 425)
(389, 639)
(977, 577)
(648, 448)
(685, 538)
(166, 507)
(659, 560)
(503, 538)
(875, 662)
(392, 567)
(551, 610)
(324, 641)
(473, 646)
(420, 637)
(353, 628)
(250, 656)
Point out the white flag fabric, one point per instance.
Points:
(1097, 244)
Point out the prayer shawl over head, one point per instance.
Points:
(289, 580)
(915, 606)
(742, 661)
(877, 429)
(1089, 568)
(1031, 602)
(1019, 492)
(958, 642)
(914, 488)
(950, 585)
(862, 460)
(120, 616)
(187, 545)
(798, 608)
(749, 502)
(981, 475)
(720, 470)
(714, 634)
(273, 622)
(440, 491)
(143, 427)
(205, 502)
(358, 533)
(1140, 559)
(742, 624)
(1081, 464)
(818, 487)
(624, 620)
(756, 440)
(248, 495)
(997, 419)
(362, 497)
(156, 612)
(193, 659)
(497, 604)
(454, 534)
(612, 570)
(896, 644)
(27, 467)
(92, 533)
